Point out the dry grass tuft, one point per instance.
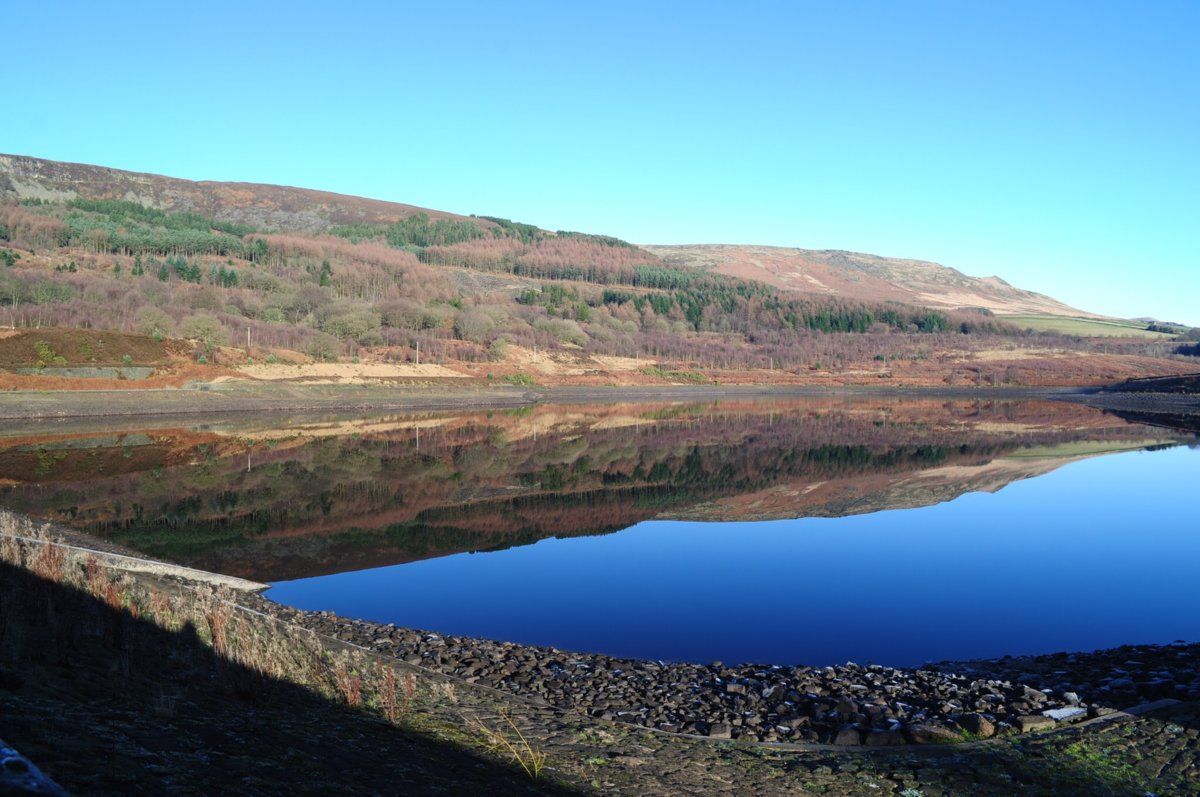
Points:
(392, 701)
(509, 741)
(49, 561)
(349, 683)
(217, 615)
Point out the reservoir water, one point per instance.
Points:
(801, 531)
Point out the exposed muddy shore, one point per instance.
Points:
(1118, 400)
(230, 398)
(239, 398)
(248, 398)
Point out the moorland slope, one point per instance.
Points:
(290, 275)
(864, 277)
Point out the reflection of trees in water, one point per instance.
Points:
(487, 483)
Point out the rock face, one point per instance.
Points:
(1113, 678)
(978, 725)
(1035, 722)
(933, 734)
(720, 730)
(847, 704)
(848, 736)
(1063, 714)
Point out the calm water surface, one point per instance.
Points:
(814, 530)
(1099, 553)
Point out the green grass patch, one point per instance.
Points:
(1102, 769)
(1082, 448)
(1084, 327)
(676, 376)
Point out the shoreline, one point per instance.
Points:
(843, 706)
(234, 399)
(214, 400)
(65, 720)
(231, 398)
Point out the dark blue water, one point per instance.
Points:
(1100, 552)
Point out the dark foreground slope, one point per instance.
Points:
(106, 703)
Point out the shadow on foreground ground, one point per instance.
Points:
(107, 704)
(1154, 755)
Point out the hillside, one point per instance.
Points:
(868, 278)
(847, 275)
(290, 275)
(260, 206)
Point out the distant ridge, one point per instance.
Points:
(864, 277)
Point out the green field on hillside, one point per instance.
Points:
(1080, 448)
(1086, 327)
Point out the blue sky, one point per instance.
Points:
(1054, 144)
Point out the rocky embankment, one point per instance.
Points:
(1117, 677)
(849, 704)
(1183, 384)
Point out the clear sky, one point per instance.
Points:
(1055, 144)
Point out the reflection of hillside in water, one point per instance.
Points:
(331, 495)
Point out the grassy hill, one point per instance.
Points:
(343, 277)
(1088, 327)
